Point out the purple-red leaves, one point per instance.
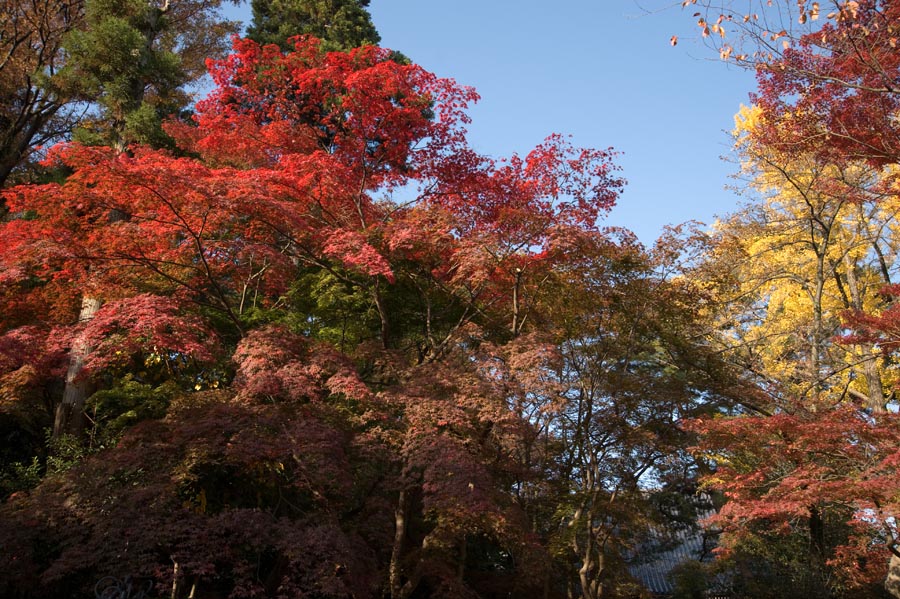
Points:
(274, 363)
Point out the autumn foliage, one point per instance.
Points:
(333, 351)
(315, 318)
(805, 276)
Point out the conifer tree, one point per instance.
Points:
(340, 24)
(135, 58)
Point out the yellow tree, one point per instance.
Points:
(818, 244)
(820, 241)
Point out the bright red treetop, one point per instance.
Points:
(292, 149)
(837, 93)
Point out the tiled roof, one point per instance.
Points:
(653, 565)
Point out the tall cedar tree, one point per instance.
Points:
(134, 59)
(340, 24)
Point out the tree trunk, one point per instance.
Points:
(817, 551)
(397, 550)
(70, 412)
(874, 384)
(382, 314)
(892, 582)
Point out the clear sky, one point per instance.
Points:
(600, 70)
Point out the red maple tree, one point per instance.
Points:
(389, 459)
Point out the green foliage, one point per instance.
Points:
(64, 453)
(144, 126)
(340, 24)
(690, 580)
(125, 404)
(134, 59)
(114, 61)
(768, 559)
(19, 476)
(333, 311)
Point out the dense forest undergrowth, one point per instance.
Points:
(299, 339)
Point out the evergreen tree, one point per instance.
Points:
(341, 24)
(135, 59)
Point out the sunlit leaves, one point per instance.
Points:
(144, 326)
(811, 320)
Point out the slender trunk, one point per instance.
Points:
(515, 299)
(70, 412)
(816, 538)
(875, 389)
(818, 336)
(461, 571)
(873, 380)
(382, 314)
(176, 581)
(584, 576)
(397, 550)
(587, 573)
(597, 589)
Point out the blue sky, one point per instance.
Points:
(600, 70)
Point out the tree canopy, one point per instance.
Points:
(306, 341)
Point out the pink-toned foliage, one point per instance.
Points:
(274, 363)
(144, 325)
(788, 469)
